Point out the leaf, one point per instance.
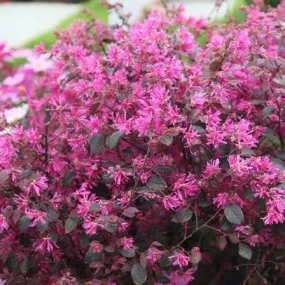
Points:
(269, 133)
(163, 280)
(248, 193)
(5, 176)
(67, 178)
(166, 139)
(71, 224)
(156, 182)
(257, 102)
(52, 215)
(42, 227)
(25, 265)
(130, 212)
(247, 151)
(204, 203)
(280, 81)
(244, 251)
(12, 261)
(91, 256)
(26, 173)
(139, 274)
(165, 261)
(144, 189)
(224, 163)
(95, 207)
(266, 112)
(96, 143)
(163, 168)
(54, 267)
(234, 214)
(183, 216)
(127, 252)
(24, 223)
(278, 162)
(225, 224)
(224, 149)
(110, 227)
(113, 139)
(84, 240)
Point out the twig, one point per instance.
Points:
(197, 229)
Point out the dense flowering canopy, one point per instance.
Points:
(137, 155)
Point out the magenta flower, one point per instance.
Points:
(180, 259)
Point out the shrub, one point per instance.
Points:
(132, 155)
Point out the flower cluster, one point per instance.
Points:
(139, 155)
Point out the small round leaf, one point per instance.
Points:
(139, 274)
(234, 214)
(71, 224)
(244, 251)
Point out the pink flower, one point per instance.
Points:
(3, 223)
(38, 185)
(45, 245)
(96, 246)
(185, 186)
(171, 202)
(180, 259)
(14, 80)
(119, 175)
(181, 278)
(36, 216)
(39, 63)
(153, 255)
(127, 243)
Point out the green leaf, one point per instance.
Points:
(71, 224)
(95, 207)
(91, 256)
(42, 227)
(165, 261)
(166, 139)
(163, 280)
(25, 265)
(244, 251)
(269, 133)
(247, 151)
(144, 189)
(127, 252)
(54, 267)
(130, 212)
(110, 227)
(163, 168)
(139, 274)
(67, 178)
(156, 182)
(248, 193)
(224, 149)
(24, 223)
(12, 261)
(278, 162)
(84, 240)
(183, 216)
(234, 214)
(52, 215)
(266, 112)
(113, 139)
(204, 203)
(225, 224)
(96, 143)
